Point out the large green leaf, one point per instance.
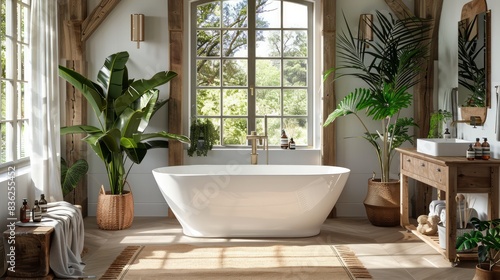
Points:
(70, 176)
(112, 76)
(138, 153)
(139, 137)
(128, 122)
(139, 87)
(91, 91)
(79, 129)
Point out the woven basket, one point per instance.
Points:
(114, 211)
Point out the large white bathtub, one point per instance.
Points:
(251, 200)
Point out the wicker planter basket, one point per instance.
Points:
(114, 212)
(382, 203)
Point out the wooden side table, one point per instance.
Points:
(32, 247)
(450, 175)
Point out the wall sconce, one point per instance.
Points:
(365, 31)
(137, 28)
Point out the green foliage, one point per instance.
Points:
(71, 175)
(436, 122)
(471, 75)
(202, 129)
(389, 65)
(123, 108)
(488, 244)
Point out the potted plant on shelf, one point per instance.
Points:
(203, 137)
(123, 108)
(486, 237)
(389, 66)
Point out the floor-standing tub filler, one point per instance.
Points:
(251, 200)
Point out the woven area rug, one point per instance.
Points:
(254, 261)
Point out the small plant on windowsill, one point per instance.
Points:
(436, 123)
(203, 137)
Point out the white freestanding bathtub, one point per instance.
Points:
(251, 200)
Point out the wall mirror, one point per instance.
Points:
(474, 61)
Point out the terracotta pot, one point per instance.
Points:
(382, 203)
(482, 272)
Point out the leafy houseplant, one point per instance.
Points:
(203, 137)
(123, 108)
(488, 244)
(389, 66)
(436, 123)
(71, 175)
(471, 75)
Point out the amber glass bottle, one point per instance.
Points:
(36, 213)
(25, 213)
(284, 140)
(43, 204)
(470, 155)
(478, 149)
(486, 149)
(291, 145)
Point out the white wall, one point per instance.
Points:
(19, 181)
(448, 69)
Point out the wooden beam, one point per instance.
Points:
(176, 53)
(98, 15)
(471, 9)
(329, 137)
(399, 8)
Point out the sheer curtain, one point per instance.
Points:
(45, 107)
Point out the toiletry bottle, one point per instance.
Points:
(43, 204)
(36, 213)
(291, 145)
(486, 149)
(478, 150)
(447, 134)
(284, 140)
(470, 155)
(25, 213)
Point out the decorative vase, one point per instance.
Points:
(482, 272)
(382, 203)
(114, 211)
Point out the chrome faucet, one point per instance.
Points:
(263, 141)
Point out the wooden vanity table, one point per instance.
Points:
(450, 175)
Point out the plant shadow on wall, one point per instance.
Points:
(123, 108)
(389, 66)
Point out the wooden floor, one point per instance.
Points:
(388, 253)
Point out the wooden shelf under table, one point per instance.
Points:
(450, 175)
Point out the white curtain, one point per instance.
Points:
(45, 108)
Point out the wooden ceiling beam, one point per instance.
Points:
(98, 15)
(399, 8)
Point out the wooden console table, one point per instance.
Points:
(450, 175)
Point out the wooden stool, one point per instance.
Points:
(32, 247)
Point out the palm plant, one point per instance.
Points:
(389, 66)
(471, 75)
(123, 108)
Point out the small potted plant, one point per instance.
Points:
(486, 237)
(203, 137)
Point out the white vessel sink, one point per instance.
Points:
(443, 147)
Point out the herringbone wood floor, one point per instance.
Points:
(388, 253)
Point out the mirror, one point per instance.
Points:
(473, 61)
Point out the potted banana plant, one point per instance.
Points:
(123, 108)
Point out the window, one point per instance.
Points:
(253, 58)
(14, 79)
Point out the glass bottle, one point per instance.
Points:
(470, 154)
(25, 213)
(284, 140)
(291, 145)
(486, 149)
(447, 134)
(36, 213)
(478, 149)
(43, 204)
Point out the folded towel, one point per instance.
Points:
(67, 241)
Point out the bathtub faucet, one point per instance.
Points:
(263, 141)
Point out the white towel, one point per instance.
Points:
(67, 241)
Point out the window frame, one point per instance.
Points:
(251, 116)
(16, 78)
